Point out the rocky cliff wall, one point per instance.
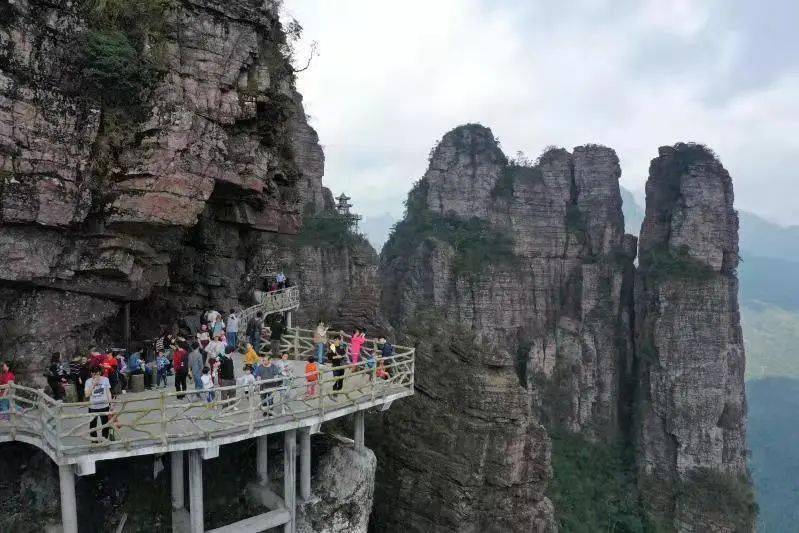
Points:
(690, 433)
(501, 268)
(530, 264)
(178, 195)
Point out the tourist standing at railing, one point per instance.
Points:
(281, 280)
(386, 351)
(232, 329)
(56, 377)
(356, 343)
(254, 326)
(181, 365)
(269, 373)
(6, 380)
(98, 390)
(320, 340)
(207, 384)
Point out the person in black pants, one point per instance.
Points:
(337, 359)
(181, 365)
(98, 390)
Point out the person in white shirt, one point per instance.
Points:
(98, 391)
(215, 347)
(208, 384)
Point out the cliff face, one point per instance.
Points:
(181, 195)
(691, 446)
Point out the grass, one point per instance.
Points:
(593, 487)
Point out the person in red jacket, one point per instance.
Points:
(181, 365)
(6, 378)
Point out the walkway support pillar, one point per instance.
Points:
(290, 478)
(181, 521)
(359, 430)
(176, 463)
(69, 505)
(288, 319)
(196, 491)
(305, 464)
(262, 461)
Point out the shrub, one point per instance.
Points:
(117, 69)
(593, 487)
(327, 230)
(665, 262)
(722, 497)
(114, 72)
(477, 244)
(574, 221)
(515, 173)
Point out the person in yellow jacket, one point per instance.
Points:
(250, 357)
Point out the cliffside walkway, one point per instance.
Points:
(165, 421)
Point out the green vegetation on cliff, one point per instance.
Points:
(477, 244)
(668, 263)
(593, 487)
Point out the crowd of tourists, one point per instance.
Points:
(207, 361)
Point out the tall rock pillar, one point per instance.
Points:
(690, 404)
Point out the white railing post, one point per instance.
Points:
(164, 440)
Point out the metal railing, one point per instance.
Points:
(273, 302)
(164, 418)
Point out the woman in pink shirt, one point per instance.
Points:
(356, 342)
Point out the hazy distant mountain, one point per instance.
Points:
(376, 228)
(633, 213)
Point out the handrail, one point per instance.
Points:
(161, 418)
(273, 302)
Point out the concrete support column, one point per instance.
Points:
(69, 505)
(288, 319)
(305, 464)
(359, 430)
(290, 478)
(176, 462)
(262, 461)
(196, 491)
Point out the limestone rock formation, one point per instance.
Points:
(343, 489)
(691, 445)
(183, 197)
(545, 276)
(532, 261)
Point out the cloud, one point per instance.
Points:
(392, 77)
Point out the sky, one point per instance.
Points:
(391, 77)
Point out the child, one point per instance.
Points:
(163, 367)
(371, 362)
(247, 379)
(207, 384)
(311, 376)
(284, 366)
(381, 371)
